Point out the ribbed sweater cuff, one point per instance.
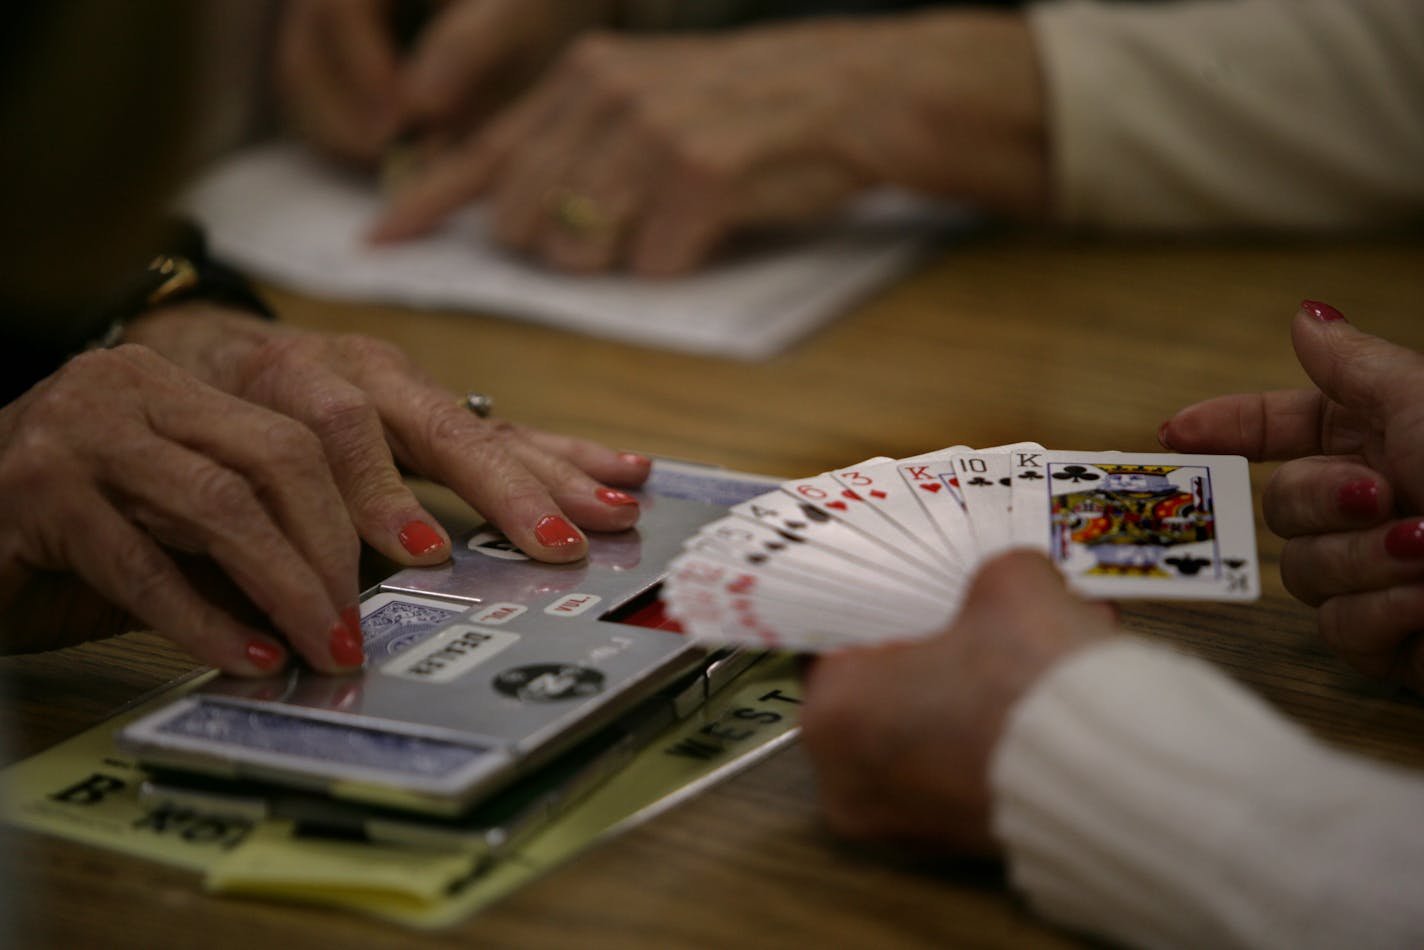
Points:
(1142, 795)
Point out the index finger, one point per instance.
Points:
(473, 458)
(451, 180)
(1365, 373)
(1279, 424)
(285, 461)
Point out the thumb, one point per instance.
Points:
(1365, 374)
(1021, 593)
(1380, 384)
(1019, 581)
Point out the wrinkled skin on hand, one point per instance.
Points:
(647, 152)
(902, 735)
(370, 408)
(130, 492)
(214, 479)
(1350, 498)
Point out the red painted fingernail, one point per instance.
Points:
(419, 538)
(1406, 540)
(633, 458)
(612, 496)
(1162, 435)
(1321, 311)
(352, 618)
(1358, 499)
(263, 655)
(554, 532)
(345, 645)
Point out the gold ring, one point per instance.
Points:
(576, 213)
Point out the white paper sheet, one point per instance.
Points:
(297, 222)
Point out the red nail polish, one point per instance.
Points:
(263, 655)
(352, 618)
(1358, 499)
(554, 532)
(612, 496)
(345, 646)
(633, 458)
(1406, 540)
(419, 538)
(1321, 311)
(1162, 435)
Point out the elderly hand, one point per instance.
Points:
(371, 408)
(128, 488)
(902, 735)
(646, 152)
(1349, 504)
(351, 90)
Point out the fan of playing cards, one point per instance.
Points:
(885, 549)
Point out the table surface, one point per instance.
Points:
(1001, 337)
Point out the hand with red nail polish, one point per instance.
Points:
(1350, 496)
(134, 496)
(213, 477)
(373, 411)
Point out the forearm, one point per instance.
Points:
(1143, 796)
(952, 105)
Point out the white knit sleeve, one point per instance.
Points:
(1143, 796)
(1202, 114)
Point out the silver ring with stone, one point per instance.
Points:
(478, 403)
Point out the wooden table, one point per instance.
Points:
(999, 338)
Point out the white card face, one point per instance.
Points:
(754, 546)
(883, 490)
(810, 587)
(885, 549)
(1026, 473)
(732, 583)
(821, 543)
(799, 516)
(812, 583)
(851, 508)
(935, 483)
(722, 605)
(1150, 525)
(984, 479)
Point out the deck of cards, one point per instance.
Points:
(885, 549)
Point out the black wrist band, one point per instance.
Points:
(178, 276)
(35, 342)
